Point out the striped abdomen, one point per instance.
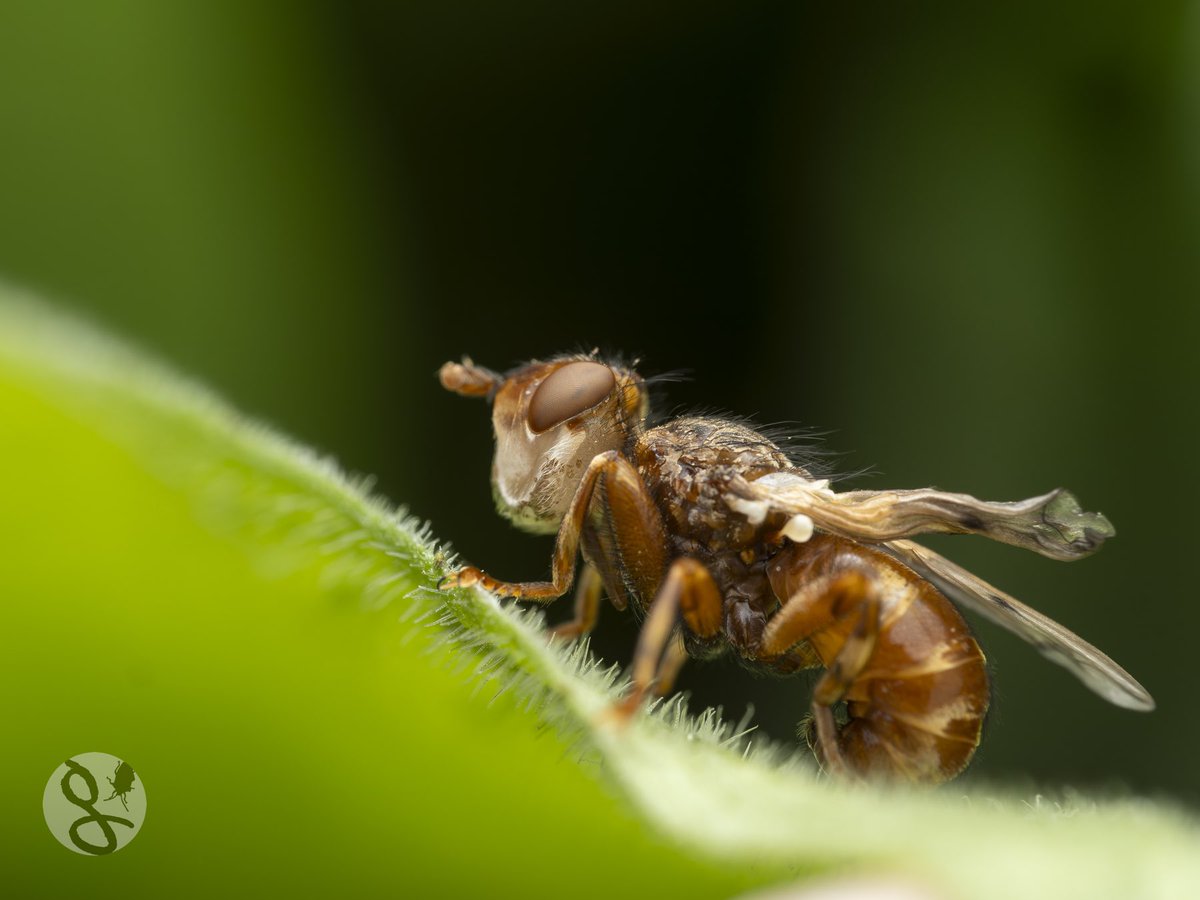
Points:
(917, 707)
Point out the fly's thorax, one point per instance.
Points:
(687, 464)
(551, 420)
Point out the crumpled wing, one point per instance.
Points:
(1052, 640)
(1053, 524)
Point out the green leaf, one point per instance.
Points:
(259, 637)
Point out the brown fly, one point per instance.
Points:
(724, 544)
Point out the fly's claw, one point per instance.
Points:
(567, 631)
(468, 576)
(618, 715)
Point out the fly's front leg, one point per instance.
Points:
(828, 602)
(690, 592)
(616, 471)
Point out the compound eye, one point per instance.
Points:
(568, 391)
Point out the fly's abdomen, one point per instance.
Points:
(917, 710)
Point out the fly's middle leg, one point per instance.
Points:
(690, 594)
(587, 606)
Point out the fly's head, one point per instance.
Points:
(550, 419)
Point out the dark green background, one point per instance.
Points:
(967, 241)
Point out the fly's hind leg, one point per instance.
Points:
(688, 593)
(830, 601)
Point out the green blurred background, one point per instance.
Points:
(967, 241)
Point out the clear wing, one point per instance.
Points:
(1052, 640)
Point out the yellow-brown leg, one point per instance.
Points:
(587, 606)
(689, 589)
(821, 604)
(634, 529)
(565, 547)
(668, 670)
(850, 662)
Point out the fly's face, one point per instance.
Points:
(550, 419)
